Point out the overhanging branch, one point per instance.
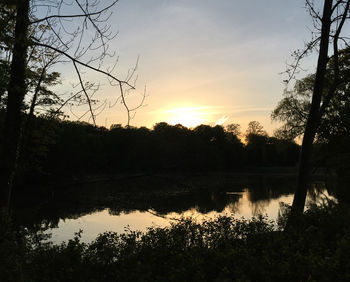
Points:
(75, 15)
(84, 64)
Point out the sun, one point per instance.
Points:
(188, 116)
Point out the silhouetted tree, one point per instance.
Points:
(329, 25)
(16, 92)
(254, 127)
(234, 128)
(61, 41)
(293, 109)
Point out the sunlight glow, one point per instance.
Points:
(189, 116)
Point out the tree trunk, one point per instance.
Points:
(314, 114)
(16, 93)
(36, 93)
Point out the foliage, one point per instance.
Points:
(6, 29)
(223, 249)
(234, 128)
(79, 148)
(293, 109)
(333, 133)
(265, 150)
(38, 79)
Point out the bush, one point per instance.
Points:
(223, 249)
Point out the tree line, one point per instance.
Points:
(58, 148)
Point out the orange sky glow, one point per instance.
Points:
(202, 62)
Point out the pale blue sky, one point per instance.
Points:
(213, 59)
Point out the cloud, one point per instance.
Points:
(222, 120)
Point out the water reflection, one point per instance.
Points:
(154, 201)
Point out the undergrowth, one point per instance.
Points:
(223, 249)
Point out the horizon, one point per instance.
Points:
(203, 62)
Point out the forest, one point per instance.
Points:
(56, 169)
(65, 149)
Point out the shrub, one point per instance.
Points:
(223, 249)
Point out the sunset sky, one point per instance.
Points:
(206, 61)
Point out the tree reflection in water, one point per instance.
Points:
(155, 200)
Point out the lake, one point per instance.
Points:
(156, 200)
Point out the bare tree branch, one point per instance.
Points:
(74, 15)
(83, 64)
(86, 94)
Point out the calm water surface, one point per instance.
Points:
(101, 221)
(139, 204)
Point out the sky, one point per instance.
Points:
(201, 61)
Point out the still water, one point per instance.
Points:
(101, 221)
(139, 204)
